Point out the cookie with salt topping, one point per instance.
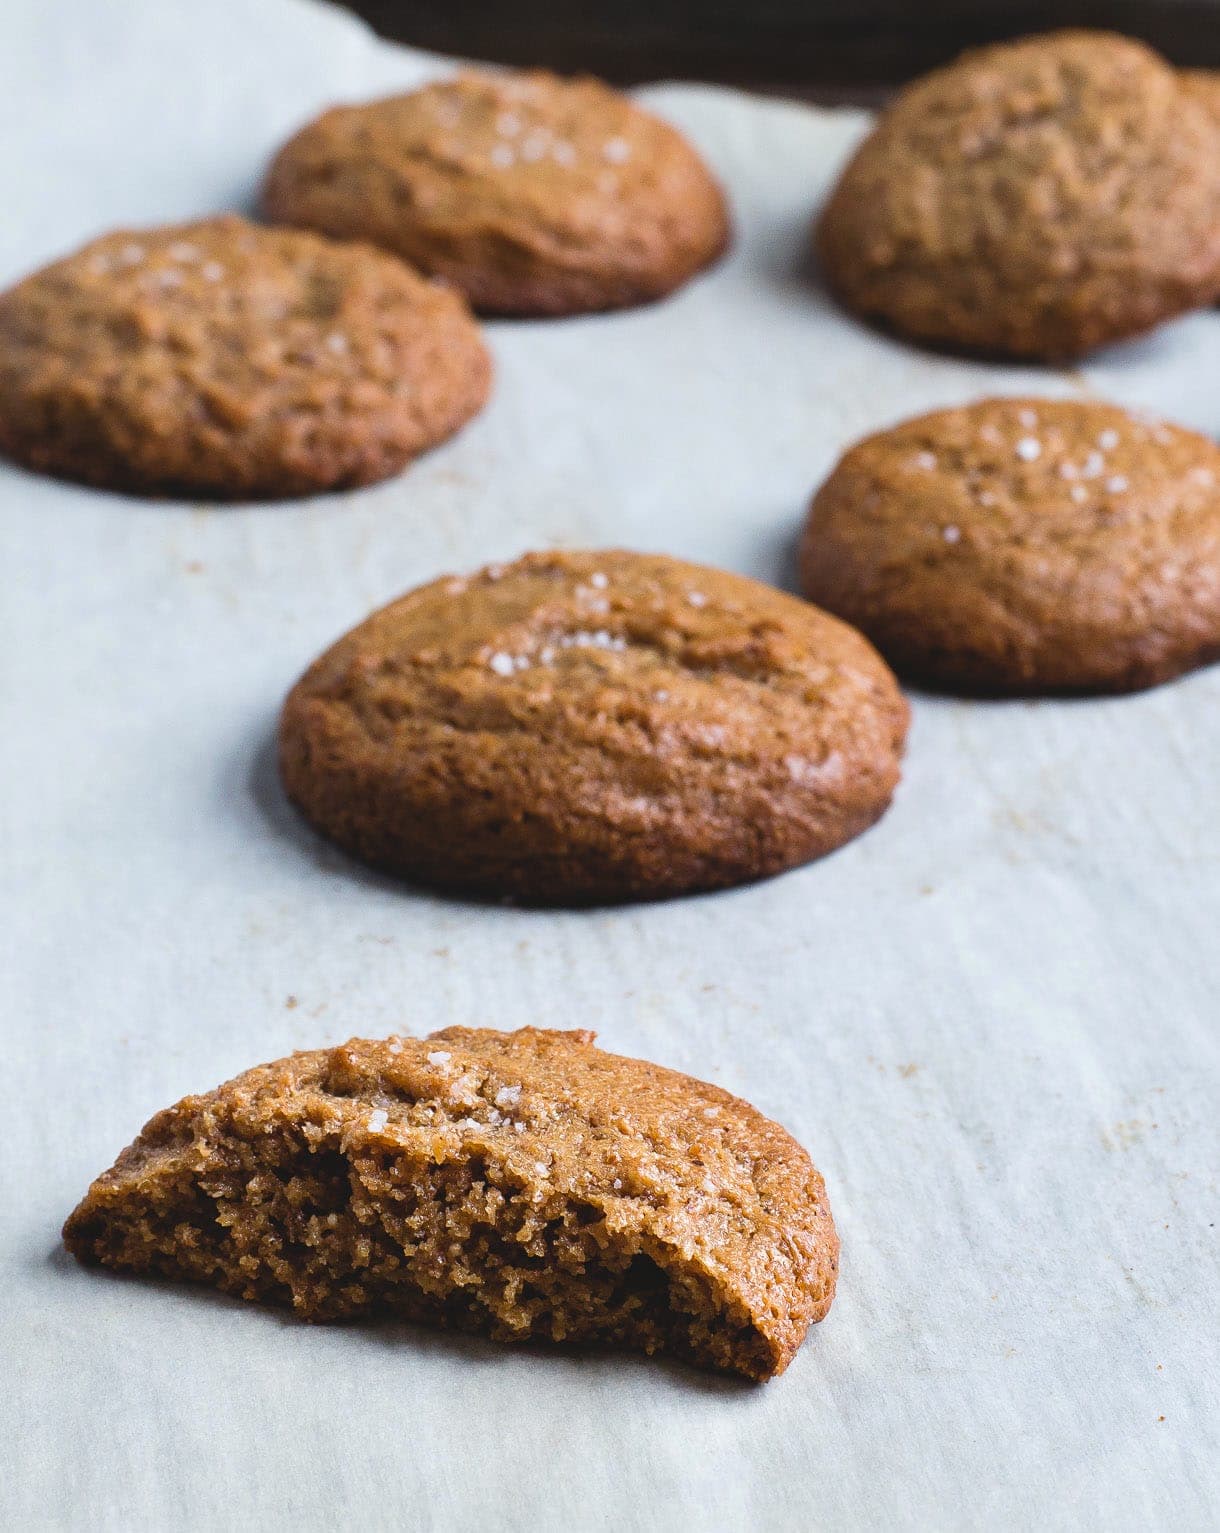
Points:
(1025, 546)
(533, 194)
(1037, 199)
(224, 360)
(591, 727)
(526, 1185)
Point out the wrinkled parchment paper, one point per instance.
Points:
(993, 1020)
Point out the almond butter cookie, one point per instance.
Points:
(586, 727)
(524, 1185)
(1025, 545)
(1037, 199)
(533, 194)
(224, 360)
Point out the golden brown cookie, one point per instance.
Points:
(585, 727)
(525, 1185)
(1025, 545)
(224, 360)
(1204, 85)
(532, 194)
(1039, 199)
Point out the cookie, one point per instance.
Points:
(1036, 199)
(524, 1185)
(591, 727)
(1204, 85)
(1025, 546)
(223, 360)
(534, 195)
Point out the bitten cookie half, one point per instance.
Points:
(1025, 545)
(534, 195)
(1037, 199)
(524, 1185)
(223, 360)
(592, 727)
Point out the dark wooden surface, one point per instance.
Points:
(821, 49)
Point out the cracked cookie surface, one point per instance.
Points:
(1038, 199)
(583, 727)
(223, 360)
(525, 1185)
(533, 194)
(1025, 545)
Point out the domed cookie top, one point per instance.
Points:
(1039, 198)
(524, 1184)
(1025, 545)
(533, 194)
(224, 360)
(582, 727)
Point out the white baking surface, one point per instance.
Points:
(993, 1020)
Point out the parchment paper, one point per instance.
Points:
(993, 1020)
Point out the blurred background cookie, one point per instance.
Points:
(224, 360)
(582, 727)
(532, 194)
(1036, 199)
(1025, 545)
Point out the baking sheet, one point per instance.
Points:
(993, 1020)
